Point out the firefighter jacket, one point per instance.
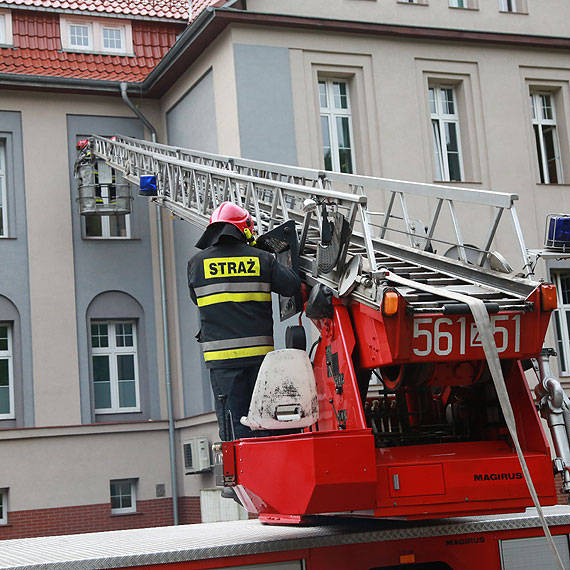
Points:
(231, 282)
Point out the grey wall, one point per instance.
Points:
(122, 265)
(14, 274)
(191, 123)
(265, 103)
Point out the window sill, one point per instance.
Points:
(91, 51)
(464, 8)
(555, 184)
(516, 13)
(7, 237)
(110, 238)
(126, 514)
(456, 182)
(412, 3)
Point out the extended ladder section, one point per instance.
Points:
(338, 224)
(364, 238)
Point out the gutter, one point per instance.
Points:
(165, 334)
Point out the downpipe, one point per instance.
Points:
(554, 407)
(166, 339)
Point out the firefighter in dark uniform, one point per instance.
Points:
(231, 282)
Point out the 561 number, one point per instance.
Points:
(440, 334)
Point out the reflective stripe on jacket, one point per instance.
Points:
(231, 282)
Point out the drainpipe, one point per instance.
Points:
(166, 341)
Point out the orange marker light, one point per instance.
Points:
(407, 558)
(548, 298)
(390, 303)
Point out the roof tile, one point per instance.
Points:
(172, 9)
(37, 50)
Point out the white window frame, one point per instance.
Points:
(3, 192)
(9, 356)
(332, 113)
(6, 36)
(513, 6)
(96, 27)
(464, 4)
(420, 2)
(133, 494)
(113, 352)
(106, 226)
(561, 332)
(3, 506)
(89, 27)
(539, 123)
(439, 119)
(121, 30)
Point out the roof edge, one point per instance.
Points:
(93, 13)
(213, 20)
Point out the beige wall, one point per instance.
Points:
(68, 467)
(543, 18)
(50, 244)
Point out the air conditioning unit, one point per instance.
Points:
(196, 453)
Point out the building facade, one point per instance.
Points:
(460, 92)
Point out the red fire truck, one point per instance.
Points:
(412, 404)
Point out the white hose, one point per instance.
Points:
(483, 323)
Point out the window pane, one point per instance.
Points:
(546, 106)
(99, 336)
(126, 367)
(437, 150)
(127, 385)
(117, 226)
(79, 35)
(4, 386)
(326, 143)
(124, 334)
(112, 38)
(452, 151)
(551, 151)
(447, 101)
(93, 226)
(3, 337)
(127, 395)
(323, 95)
(539, 152)
(101, 382)
(344, 154)
(560, 341)
(340, 95)
(121, 495)
(4, 372)
(565, 289)
(2, 41)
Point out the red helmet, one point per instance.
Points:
(232, 214)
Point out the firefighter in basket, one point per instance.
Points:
(231, 282)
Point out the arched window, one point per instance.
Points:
(10, 365)
(117, 358)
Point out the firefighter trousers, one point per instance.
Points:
(232, 389)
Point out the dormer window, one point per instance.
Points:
(80, 36)
(6, 28)
(96, 35)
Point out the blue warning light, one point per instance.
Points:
(148, 185)
(557, 231)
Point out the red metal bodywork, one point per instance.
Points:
(337, 467)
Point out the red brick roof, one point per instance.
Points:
(175, 9)
(37, 50)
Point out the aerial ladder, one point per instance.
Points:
(416, 403)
